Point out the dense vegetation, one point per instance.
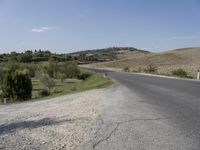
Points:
(22, 79)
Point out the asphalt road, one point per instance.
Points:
(147, 112)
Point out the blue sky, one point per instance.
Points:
(70, 25)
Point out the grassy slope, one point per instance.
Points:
(187, 58)
(71, 86)
(96, 81)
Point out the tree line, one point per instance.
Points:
(32, 56)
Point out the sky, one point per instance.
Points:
(64, 26)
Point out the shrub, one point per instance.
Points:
(47, 81)
(17, 86)
(44, 93)
(61, 76)
(12, 66)
(50, 68)
(134, 70)
(179, 72)
(7, 85)
(150, 69)
(70, 70)
(84, 76)
(1, 74)
(139, 69)
(39, 59)
(32, 68)
(127, 69)
(25, 58)
(74, 88)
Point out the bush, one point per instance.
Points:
(12, 66)
(51, 68)
(70, 70)
(7, 85)
(150, 69)
(127, 69)
(39, 59)
(44, 93)
(17, 86)
(1, 74)
(74, 88)
(25, 58)
(47, 81)
(61, 76)
(31, 69)
(139, 69)
(134, 70)
(179, 72)
(84, 76)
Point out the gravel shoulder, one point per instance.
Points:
(59, 123)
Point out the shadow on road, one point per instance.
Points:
(12, 127)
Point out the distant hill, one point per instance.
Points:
(81, 57)
(186, 58)
(109, 50)
(105, 54)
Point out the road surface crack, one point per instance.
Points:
(148, 119)
(107, 137)
(120, 123)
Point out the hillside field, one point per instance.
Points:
(185, 58)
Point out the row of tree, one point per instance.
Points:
(33, 56)
(96, 55)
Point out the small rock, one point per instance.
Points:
(44, 142)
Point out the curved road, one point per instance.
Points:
(151, 113)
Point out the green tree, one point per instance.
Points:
(17, 86)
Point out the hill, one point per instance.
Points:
(105, 54)
(185, 58)
(81, 57)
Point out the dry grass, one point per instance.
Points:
(187, 59)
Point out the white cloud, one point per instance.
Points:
(42, 29)
(45, 28)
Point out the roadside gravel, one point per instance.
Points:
(59, 123)
(121, 117)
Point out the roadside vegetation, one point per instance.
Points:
(148, 69)
(152, 69)
(126, 69)
(180, 73)
(25, 81)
